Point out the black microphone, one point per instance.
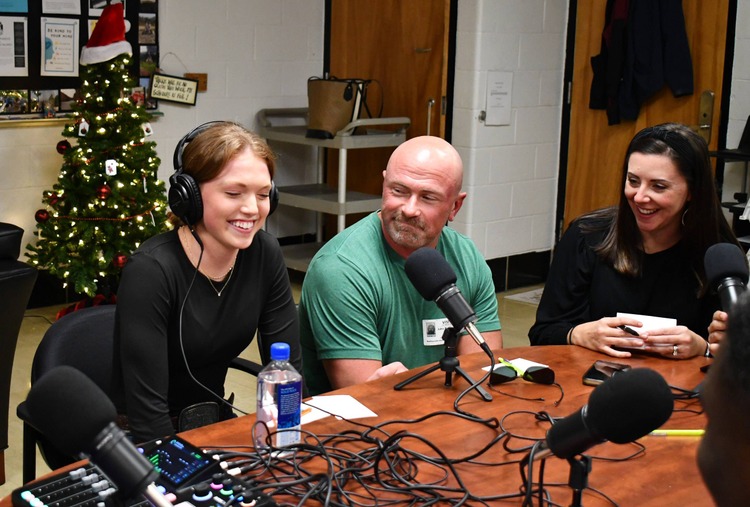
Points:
(622, 409)
(726, 272)
(78, 417)
(435, 280)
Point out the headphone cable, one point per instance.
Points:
(182, 345)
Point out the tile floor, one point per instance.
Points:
(516, 318)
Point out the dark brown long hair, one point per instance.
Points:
(703, 222)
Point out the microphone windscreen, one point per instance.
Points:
(725, 260)
(429, 272)
(629, 405)
(69, 409)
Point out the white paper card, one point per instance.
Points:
(649, 323)
(340, 405)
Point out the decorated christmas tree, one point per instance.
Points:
(107, 199)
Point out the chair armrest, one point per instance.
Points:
(246, 366)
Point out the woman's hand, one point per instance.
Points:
(604, 334)
(717, 330)
(675, 343)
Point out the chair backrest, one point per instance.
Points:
(16, 283)
(82, 339)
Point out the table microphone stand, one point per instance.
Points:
(449, 364)
(578, 479)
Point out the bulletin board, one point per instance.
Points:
(34, 83)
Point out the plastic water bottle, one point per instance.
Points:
(279, 400)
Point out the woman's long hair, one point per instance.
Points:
(205, 156)
(703, 222)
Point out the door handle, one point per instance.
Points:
(705, 115)
(430, 105)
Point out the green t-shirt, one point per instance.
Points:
(358, 303)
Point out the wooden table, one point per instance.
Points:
(666, 474)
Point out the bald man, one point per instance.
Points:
(360, 316)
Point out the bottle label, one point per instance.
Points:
(289, 402)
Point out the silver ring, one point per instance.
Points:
(674, 350)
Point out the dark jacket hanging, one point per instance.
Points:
(656, 52)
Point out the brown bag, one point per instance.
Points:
(332, 104)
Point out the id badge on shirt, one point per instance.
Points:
(432, 331)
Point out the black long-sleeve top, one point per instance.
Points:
(150, 372)
(582, 287)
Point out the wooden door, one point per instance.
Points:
(596, 150)
(403, 45)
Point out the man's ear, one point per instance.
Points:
(457, 205)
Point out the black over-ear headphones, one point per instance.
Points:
(184, 194)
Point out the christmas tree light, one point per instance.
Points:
(108, 198)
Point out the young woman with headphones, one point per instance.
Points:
(192, 299)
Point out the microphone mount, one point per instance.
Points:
(450, 364)
(578, 479)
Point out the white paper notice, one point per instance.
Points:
(499, 90)
(14, 58)
(61, 7)
(59, 47)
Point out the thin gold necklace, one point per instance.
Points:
(211, 282)
(211, 279)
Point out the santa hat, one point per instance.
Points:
(108, 39)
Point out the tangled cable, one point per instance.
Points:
(390, 464)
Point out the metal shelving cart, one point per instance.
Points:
(319, 197)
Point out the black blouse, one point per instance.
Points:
(582, 287)
(153, 382)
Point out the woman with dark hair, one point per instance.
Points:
(192, 299)
(644, 256)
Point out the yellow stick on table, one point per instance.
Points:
(677, 433)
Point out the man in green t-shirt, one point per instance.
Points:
(360, 316)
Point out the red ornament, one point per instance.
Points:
(104, 192)
(52, 198)
(120, 260)
(63, 146)
(41, 215)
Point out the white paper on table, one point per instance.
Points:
(341, 405)
(649, 323)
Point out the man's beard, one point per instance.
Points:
(409, 233)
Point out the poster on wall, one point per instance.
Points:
(59, 47)
(61, 7)
(97, 6)
(14, 6)
(146, 28)
(45, 102)
(13, 50)
(174, 89)
(39, 71)
(14, 101)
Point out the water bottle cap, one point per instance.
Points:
(280, 351)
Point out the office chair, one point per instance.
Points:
(84, 340)
(16, 282)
